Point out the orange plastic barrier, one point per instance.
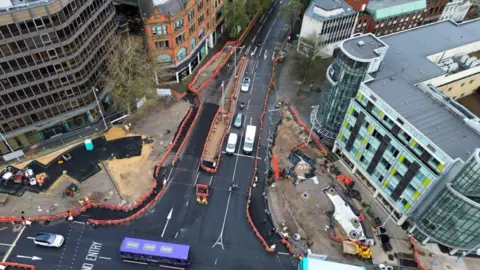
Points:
(232, 97)
(415, 253)
(307, 128)
(18, 265)
(276, 170)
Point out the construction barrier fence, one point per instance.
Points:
(91, 204)
(308, 130)
(233, 103)
(415, 253)
(264, 111)
(18, 265)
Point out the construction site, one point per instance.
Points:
(314, 207)
(115, 167)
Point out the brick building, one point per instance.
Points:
(434, 10)
(180, 33)
(52, 52)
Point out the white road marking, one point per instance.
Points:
(105, 258)
(128, 261)
(254, 51)
(171, 170)
(171, 267)
(3, 244)
(13, 245)
(268, 33)
(196, 179)
(274, 21)
(248, 49)
(216, 259)
(257, 64)
(168, 219)
(251, 120)
(254, 75)
(283, 253)
(242, 155)
(248, 104)
(186, 203)
(253, 40)
(265, 54)
(79, 222)
(273, 56)
(210, 182)
(33, 258)
(31, 238)
(220, 237)
(176, 235)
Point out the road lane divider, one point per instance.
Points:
(204, 163)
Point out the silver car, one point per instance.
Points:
(49, 240)
(238, 120)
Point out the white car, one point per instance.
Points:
(49, 240)
(245, 84)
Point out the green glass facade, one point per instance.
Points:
(343, 80)
(454, 218)
(391, 160)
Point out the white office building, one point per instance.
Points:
(456, 10)
(332, 21)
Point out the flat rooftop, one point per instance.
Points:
(328, 5)
(7, 5)
(406, 65)
(365, 51)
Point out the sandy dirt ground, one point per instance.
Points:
(52, 202)
(214, 139)
(208, 71)
(132, 177)
(215, 136)
(471, 102)
(302, 207)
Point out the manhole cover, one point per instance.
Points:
(305, 195)
(353, 235)
(17, 228)
(355, 222)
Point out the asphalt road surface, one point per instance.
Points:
(218, 233)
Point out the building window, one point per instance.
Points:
(164, 59)
(394, 151)
(201, 33)
(191, 15)
(161, 44)
(193, 43)
(178, 24)
(180, 38)
(159, 30)
(377, 135)
(201, 19)
(191, 30)
(200, 5)
(181, 54)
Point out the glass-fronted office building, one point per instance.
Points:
(453, 218)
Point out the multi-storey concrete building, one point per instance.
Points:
(456, 10)
(180, 33)
(52, 52)
(330, 21)
(399, 133)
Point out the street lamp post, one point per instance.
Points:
(8, 145)
(223, 97)
(99, 107)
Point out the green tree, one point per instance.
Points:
(290, 12)
(305, 57)
(129, 75)
(236, 17)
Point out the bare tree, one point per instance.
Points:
(236, 17)
(291, 11)
(309, 50)
(130, 70)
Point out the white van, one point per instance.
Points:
(249, 139)
(231, 143)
